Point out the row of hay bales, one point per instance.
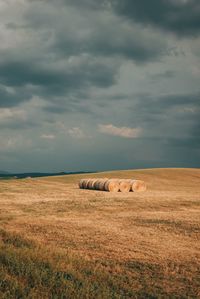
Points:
(113, 185)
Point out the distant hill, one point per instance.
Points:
(7, 175)
(4, 172)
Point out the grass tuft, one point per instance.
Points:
(15, 239)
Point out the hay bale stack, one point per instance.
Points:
(138, 186)
(124, 186)
(112, 185)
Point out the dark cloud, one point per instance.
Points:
(189, 142)
(110, 39)
(162, 75)
(156, 104)
(18, 125)
(55, 109)
(86, 73)
(64, 57)
(93, 31)
(175, 115)
(178, 16)
(68, 107)
(83, 4)
(92, 4)
(22, 73)
(70, 65)
(50, 82)
(11, 98)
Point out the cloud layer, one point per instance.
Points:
(178, 16)
(74, 75)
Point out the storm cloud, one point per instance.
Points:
(181, 17)
(99, 79)
(10, 97)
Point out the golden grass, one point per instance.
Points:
(148, 242)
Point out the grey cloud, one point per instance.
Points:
(84, 4)
(77, 64)
(92, 4)
(88, 72)
(18, 125)
(98, 33)
(110, 39)
(175, 115)
(68, 107)
(14, 26)
(180, 17)
(11, 98)
(156, 104)
(168, 74)
(22, 73)
(55, 109)
(66, 56)
(189, 142)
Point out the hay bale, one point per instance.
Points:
(91, 183)
(98, 185)
(124, 186)
(101, 184)
(138, 186)
(85, 183)
(112, 185)
(81, 183)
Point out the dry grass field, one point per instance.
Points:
(58, 241)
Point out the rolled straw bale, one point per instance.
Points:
(99, 182)
(81, 183)
(91, 183)
(124, 186)
(138, 185)
(96, 183)
(112, 185)
(85, 183)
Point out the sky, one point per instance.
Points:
(95, 85)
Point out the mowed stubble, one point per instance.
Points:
(156, 228)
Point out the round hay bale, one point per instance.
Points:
(101, 184)
(138, 186)
(112, 185)
(98, 185)
(85, 183)
(90, 184)
(124, 186)
(81, 183)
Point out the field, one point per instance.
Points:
(57, 241)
